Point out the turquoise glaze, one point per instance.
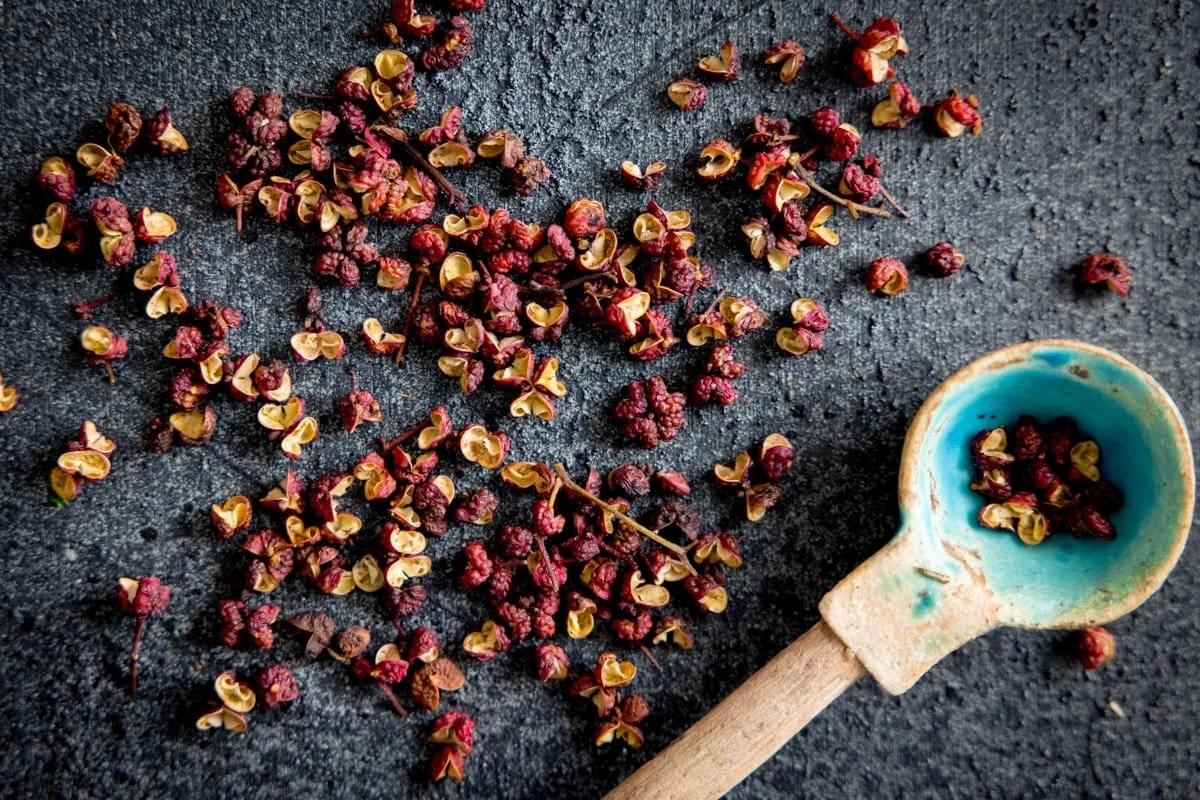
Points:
(1063, 582)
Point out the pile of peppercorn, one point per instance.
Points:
(1043, 479)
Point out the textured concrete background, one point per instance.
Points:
(1090, 141)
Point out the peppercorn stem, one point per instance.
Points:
(388, 444)
(112, 377)
(887, 196)
(562, 289)
(646, 652)
(845, 28)
(456, 198)
(800, 158)
(412, 309)
(714, 302)
(84, 308)
(134, 655)
(691, 295)
(854, 208)
(632, 523)
(541, 542)
(391, 696)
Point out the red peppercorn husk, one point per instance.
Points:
(1097, 647)
(726, 66)
(455, 40)
(873, 49)
(943, 260)
(649, 413)
(716, 384)
(56, 179)
(687, 94)
(357, 407)
(789, 55)
(141, 598)
(1107, 270)
(900, 108)
(886, 276)
(276, 685)
(955, 115)
(163, 136)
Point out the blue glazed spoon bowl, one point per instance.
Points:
(944, 579)
(990, 578)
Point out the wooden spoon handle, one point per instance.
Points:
(748, 726)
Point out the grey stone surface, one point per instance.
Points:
(1090, 141)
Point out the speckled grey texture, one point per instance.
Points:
(1090, 142)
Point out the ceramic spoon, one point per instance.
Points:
(943, 580)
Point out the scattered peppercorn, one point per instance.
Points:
(754, 479)
(619, 717)
(955, 115)
(645, 180)
(235, 700)
(726, 66)
(901, 107)
(455, 732)
(943, 260)
(583, 560)
(886, 276)
(687, 94)
(141, 598)
(1107, 270)
(1097, 647)
(276, 684)
(124, 125)
(789, 55)
(86, 459)
(873, 50)
(805, 334)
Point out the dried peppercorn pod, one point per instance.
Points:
(886, 276)
(1097, 647)
(789, 55)
(141, 598)
(124, 125)
(101, 164)
(454, 43)
(942, 260)
(725, 66)
(955, 115)
(276, 685)
(1107, 270)
(687, 94)
(163, 136)
(56, 179)
(900, 107)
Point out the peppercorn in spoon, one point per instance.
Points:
(944, 579)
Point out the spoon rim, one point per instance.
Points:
(1018, 353)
